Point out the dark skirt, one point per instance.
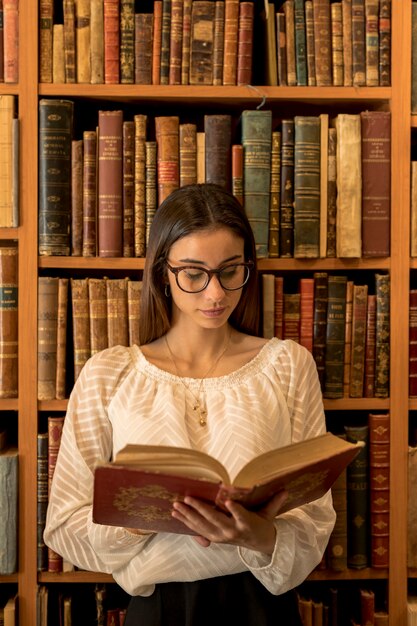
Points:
(235, 599)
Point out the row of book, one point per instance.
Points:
(188, 42)
(9, 480)
(329, 43)
(9, 41)
(9, 162)
(344, 325)
(311, 186)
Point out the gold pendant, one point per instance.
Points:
(201, 413)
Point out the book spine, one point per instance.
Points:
(128, 187)
(140, 174)
(306, 289)
(8, 321)
(156, 42)
(369, 374)
(218, 131)
(256, 141)
(231, 28)
(134, 292)
(274, 201)
(97, 42)
(322, 42)
(300, 42)
(413, 209)
(348, 338)
(372, 42)
(367, 607)
(111, 41)
(47, 336)
(110, 172)
(201, 43)
(167, 138)
(323, 157)
(9, 490)
(358, 44)
(58, 65)
(281, 49)
(97, 309)
(46, 10)
(15, 172)
(201, 157)
(379, 485)
(320, 323)
(128, 62)
(245, 43)
(335, 337)
(279, 307)
(331, 194)
(286, 229)
(165, 42)
(175, 46)
(412, 354)
(337, 44)
(80, 323)
(11, 40)
(188, 154)
(117, 320)
(218, 43)
(83, 40)
(357, 366)
(151, 194)
(1, 42)
(347, 42)
(76, 197)
(311, 59)
(7, 107)
(268, 303)
(143, 48)
(288, 7)
(385, 43)
(186, 42)
(69, 40)
(382, 348)
(291, 319)
(55, 425)
(89, 193)
(61, 339)
(237, 172)
(42, 500)
(337, 547)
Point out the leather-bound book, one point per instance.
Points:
(307, 187)
(382, 348)
(288, 7)
(231, 29)
(97, 306)
(186, 42)
(151, 192)
(1, 43)
(167, 138)
(134, 292)
(337, 546)
(201, 43)
(11, 40)
(335, 336)
(83, 40)
(286, 228)
(412, 342)
(275, 194)
(41, 500)
(218, 42)
(97, 42)
(111, 41)
(77, 197)
(306, 289)
(15, 171)
(143, 48)
(291, 317)
(322, 42)
(127, 42)
(55, 136)
(188, 154)
(201, 157)
(358, 500)
(55, 426)
(61, 340)
(413, 208)
(324, 178)
(69, 40)
(347, 42)
(175, 44)
(117, 318)
(110, 176)
(269, 18)
(7, 113)
(320, 322)
(156, 42)
(9, 494)
(245, 43)
(348, 338)
(128, 187)
(8, 321)
(385, 43)
(336, 30)
(237, 172)
(331, 193)
(372, 43)
(140, 181)
(305, 608)
(300, 42)
(256, 141)
(379, 484)
(370, 344)
(281, 49)
(80, 323)
(218, 131)
(268, 305)
(90, 193)
(46, 19)
(376, 183)
(357, 361)
(349, 186)
(47, 336)
(412, 507)
(165, 42)
(358, 44)
(367, 606)
(311, 55)
(278, 306)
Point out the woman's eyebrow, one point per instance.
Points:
(196, 262)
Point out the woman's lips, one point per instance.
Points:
(213, 312)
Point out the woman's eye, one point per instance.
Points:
(194, 275)
(228, 272)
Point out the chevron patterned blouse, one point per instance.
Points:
(121, 398)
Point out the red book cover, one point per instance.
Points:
(306, 312)
(413, 344)
(111, 41)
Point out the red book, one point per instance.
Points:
(412, 368)
(306, 312)
(167, 138)
(379, 486)
(111, 41)
(279, 306)
(369, 374)
(156, 42)
(237, 172)
(55, 425)
(245, 43)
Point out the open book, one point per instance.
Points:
(138, 488)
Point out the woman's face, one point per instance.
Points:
(208, 249)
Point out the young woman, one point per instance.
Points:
(201, 378)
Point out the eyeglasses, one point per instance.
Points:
(193, 279)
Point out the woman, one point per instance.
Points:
(202, 378)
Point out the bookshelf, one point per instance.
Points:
(395, 98)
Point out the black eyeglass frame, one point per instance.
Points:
(210, 273)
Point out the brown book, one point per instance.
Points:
(279, 307)
(7, 113)
(55, 425)
(218, 131)
(83, 40)
(128, 187)
(11, 40)
(245, 43)
(348, 338)
(201, 157)
(97, 307)
(275, 194)
(128, 59)
(188, 154)
(111, 41)
(237, 172)
(291, 317)
(201, 42)
(8, 320)
(337, 546)
(324, 182)
(281, 49)
(270, 74)
(306, 289)
(231, 29)
(218, 42)
(1, 44)
(134, 291)
(289, 14)
(311, 55)
(69, 40)
(331, 194)
(58, 62)
(61, 341)
(117, 320)
(89, 193)
(385, 43)
(413, 202)
(305, 607)
(167, 138)
(286, 228)
(268, 305)
(336, 30)
(357, 361)
(376, 183)
(412, 341)
(372, 42)
(186, 42)
(322, 42)
(320, 322)
(156, 42)
(367, 604)
(165, 41)
(347, 42)
(143, 48)
(159, 475)
(47, 336)
(382, 347)
(80, 323)
(110, 175)
(335, 336)
(175, 44)
(139, 179)
(369, 374)
(46, 19)
(379, 485)
(358, 44)
(97, 41)
(77, 197)
(151, 194)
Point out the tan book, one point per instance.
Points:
(188, 154)
(47, 336)
(337, 43)
(186, 40)
(80, 323)
(58, 60)
(8, 320)
(89, 193)
(61, 342)
(175, 44)
(83, 40)
(311, 55)
(270, 47)
(231, 27)
(117, 319)
(97, 42)
(7, 108)
(127, 42)
(167, 138)
(46, 19)
(347, 42)
(128, 188)
(140, 181)
(97, 306)
(201, 157)
(134, 291)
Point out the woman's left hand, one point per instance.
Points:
(240, 527)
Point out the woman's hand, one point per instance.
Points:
(241, 527)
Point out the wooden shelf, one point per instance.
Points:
(74, 577)
(9, 233)
(9, 404)
(367, 573)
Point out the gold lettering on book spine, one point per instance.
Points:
(126, 500)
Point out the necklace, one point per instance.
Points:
(198, 406)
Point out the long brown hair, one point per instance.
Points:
(188, 210)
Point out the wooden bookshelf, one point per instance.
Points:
(395, 98)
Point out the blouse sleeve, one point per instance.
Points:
(303, 533)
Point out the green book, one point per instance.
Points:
(358, 500)
(335, 337)
(8, 508)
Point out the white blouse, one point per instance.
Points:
(121, 398)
